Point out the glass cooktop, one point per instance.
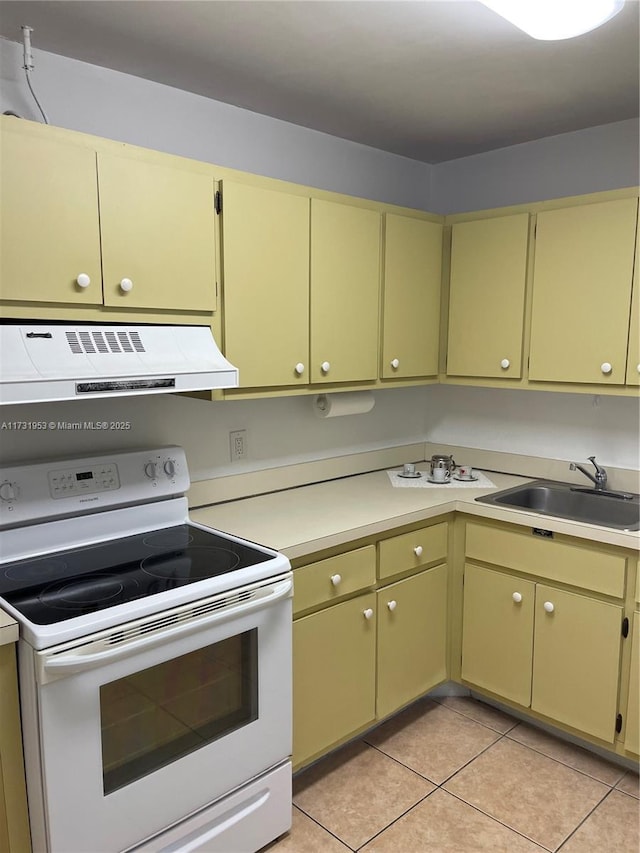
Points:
(72, 583)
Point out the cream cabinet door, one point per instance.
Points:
(334, 675)
(633, 355)
(49, 229)
(632, 731)
(345, 284)
(411, 303)
(412, 638)
(158, 237)
(487, 296)
(265, 252)
(497, 633)
(582, 292)
(576, 661)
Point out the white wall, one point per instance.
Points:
(537, 423)
(84, 97)
(279, 431)
(585, 161)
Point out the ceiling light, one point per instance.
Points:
(555, 19)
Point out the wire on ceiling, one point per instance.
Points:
(29, 65)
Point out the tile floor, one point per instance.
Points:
(455, 774)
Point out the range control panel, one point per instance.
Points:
(46, 490)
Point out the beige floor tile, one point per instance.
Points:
(629, 784)
(444, 824)
(306, 837)
(357, 791)
(613, 825)
(568, 753)
(432, 740)
(535, 795)
(480, 712)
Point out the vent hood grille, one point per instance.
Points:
(43, 362)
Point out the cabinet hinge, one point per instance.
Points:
(619, 723)
(625, 627)
(218, 201)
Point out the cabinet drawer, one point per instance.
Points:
(330, 579)
(412, 550)
(558, 561)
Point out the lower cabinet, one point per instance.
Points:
(553, 650)
(14, 822)
(412, 638)
(356, 661)
(334, 675)
(632, 732)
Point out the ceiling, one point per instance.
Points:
(433, 80)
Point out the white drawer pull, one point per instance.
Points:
(368, 613)
(517, 597)
(392, 605)
(548, 606)
(335, 579)
(418, 550)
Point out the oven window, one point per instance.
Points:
(156, 716)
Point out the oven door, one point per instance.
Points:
(144, 724)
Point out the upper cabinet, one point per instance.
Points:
(157, 223)
(633, 356)
(582, 293)
(411, 300)
(345, 292)
(487, 297)
(49, 229)
(86, 227)
(265, 249)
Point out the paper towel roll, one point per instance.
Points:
(347, 403)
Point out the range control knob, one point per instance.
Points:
(151, 470)
(169, 468)
(8, 491)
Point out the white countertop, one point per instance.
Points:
(307, 519)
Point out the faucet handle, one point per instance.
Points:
(598, 468)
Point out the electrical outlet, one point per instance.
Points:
(238, 444)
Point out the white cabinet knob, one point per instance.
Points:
(517, 597)
(126, 285)
(368, 613)
(392, 605)
(638, 367)
(606, 368)
(83, 280)
(335, 579)
(548, 606)
(418, 550)
(299, 368)
(325, 367)
(395, 363)
(505, 363)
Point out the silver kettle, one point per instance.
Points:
(441, 460)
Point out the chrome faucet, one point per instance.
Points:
(599, 479)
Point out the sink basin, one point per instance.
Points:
(619, 510)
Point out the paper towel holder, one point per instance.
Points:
(345, 403)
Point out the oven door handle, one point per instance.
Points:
(52, 666)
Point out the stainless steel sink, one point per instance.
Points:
(620, 510)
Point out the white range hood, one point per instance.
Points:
(42, 362)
